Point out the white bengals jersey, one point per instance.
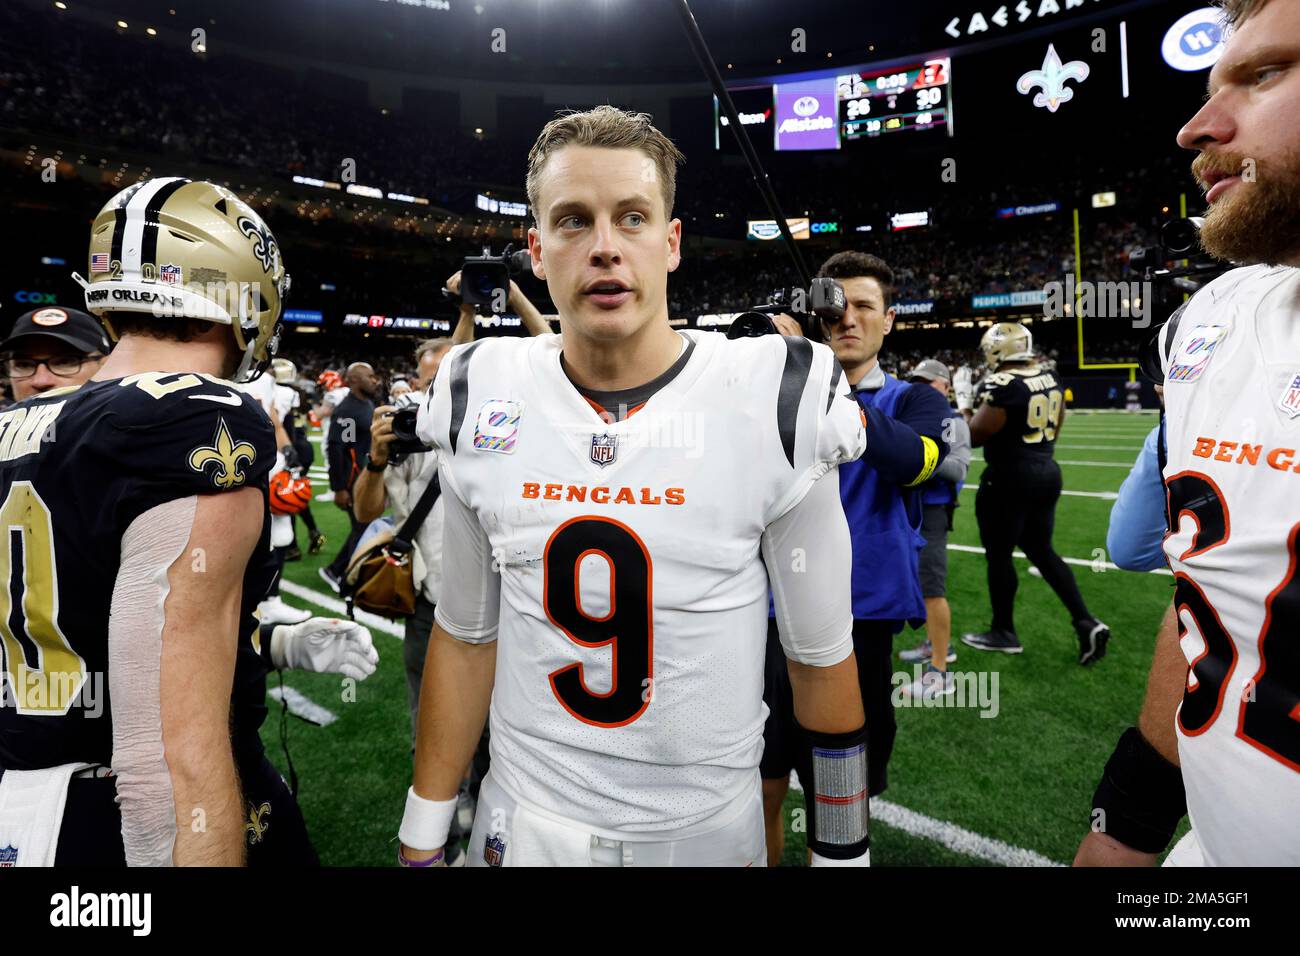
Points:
(1232, 392)
(633, 600)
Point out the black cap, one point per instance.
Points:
(78, 329)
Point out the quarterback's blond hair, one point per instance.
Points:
(611, 128)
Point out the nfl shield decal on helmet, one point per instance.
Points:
(604, 449)
(169, 274)
(1290, 400)
(494, 850)
(8, 857)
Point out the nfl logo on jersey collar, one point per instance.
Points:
(494, 850)
(1290, 400)
(604, 449)
(8, 856)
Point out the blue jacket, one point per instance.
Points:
(883, 505)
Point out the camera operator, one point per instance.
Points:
(905, 444)
(400, 485)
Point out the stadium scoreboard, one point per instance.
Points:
(893, 101)
(827, 110)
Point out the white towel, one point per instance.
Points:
(31, 813)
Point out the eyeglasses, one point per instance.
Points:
(64, 365)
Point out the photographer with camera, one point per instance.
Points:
(880, 494)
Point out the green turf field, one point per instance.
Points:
(978, 788)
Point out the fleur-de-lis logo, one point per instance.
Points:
(264, 247)
(226, 453)
(256, 827)
(1052, 78)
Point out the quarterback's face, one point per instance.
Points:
(857, 338)
(1249, 141)
(603, 242)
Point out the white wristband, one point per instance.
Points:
(426, 823)
(863, 860)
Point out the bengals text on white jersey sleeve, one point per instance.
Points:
(633, 609)
(1232, 392)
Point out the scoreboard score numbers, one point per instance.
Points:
(892, 101)
(825, 110)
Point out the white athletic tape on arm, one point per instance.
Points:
(135, 628)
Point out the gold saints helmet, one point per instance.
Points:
(285, 372)
(185, 249)
(1007, 342)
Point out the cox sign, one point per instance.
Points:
(825, 228)
(36, 298)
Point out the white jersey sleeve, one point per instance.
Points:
(471, 585)
(471, 588)
(818, 423)
(812, 586)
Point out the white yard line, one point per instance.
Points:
(1082, 562)
(1104, 495)
(1131, 449)
(955, 838)
(300, 705)
(335, 605)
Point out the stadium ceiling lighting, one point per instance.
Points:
(151, 31)
(60, 5)
(121, 24)
(201, 48)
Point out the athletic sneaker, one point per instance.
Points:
(922, 653)
(1093, 636)
(994, 639)
(933, 683)
(317, 542)
(330, 578)
(274, 611)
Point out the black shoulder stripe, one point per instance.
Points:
(459, 392)
(798, 364)
(836, 371)
(149, 247)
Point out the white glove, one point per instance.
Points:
(963, 387)
(325, 645)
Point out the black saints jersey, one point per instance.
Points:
(1034, 401)
(77, 467)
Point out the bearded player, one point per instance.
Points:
(1231, 358)
(617, 501)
